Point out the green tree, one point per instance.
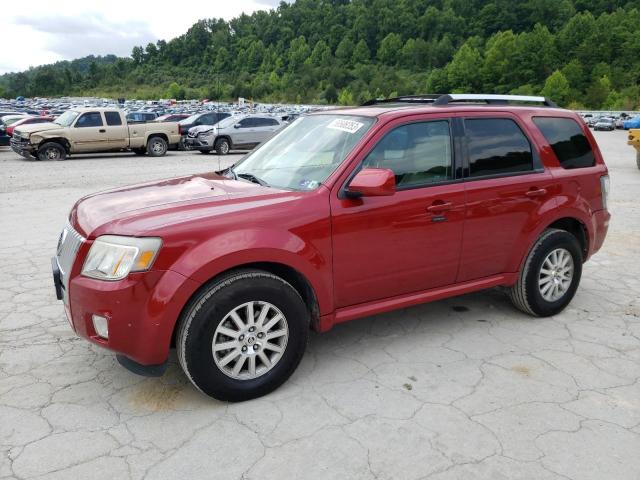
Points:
(389, 50)
(556, 87)
(345, 97)
(463, 71)
(361, 53)
(344, 50)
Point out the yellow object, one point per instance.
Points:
(145, 260)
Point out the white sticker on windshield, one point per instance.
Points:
(349, 126)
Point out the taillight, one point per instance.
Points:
(180, 129)
(605, 187)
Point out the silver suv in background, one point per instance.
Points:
(240, 132)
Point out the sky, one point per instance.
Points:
(37, 32)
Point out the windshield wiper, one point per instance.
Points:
(251, 178)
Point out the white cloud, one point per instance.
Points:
(45, 31)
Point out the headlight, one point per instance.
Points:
(113, 257)
(206, 133)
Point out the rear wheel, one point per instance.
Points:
(222, 146)
(550, 276)
(157, 146)
(52, 151)
(243, 335)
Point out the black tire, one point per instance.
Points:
(157, 146)
(51, 151)
(205, 152)
(139, 151)
(526, 294)
(222, 146)
(210, 307)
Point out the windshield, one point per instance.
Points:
(11, 120)
(227, 122)
(305, 153)
(190, 119)
(66, 118)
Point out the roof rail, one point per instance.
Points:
(453, 98)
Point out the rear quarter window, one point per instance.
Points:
(567, 140)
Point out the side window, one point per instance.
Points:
(246, 123)
(418, 153)
(567, 141)
(208, 119)
(496, 146)
(112, 118)
(89, 119)
(262, 122)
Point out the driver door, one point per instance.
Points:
(408, 242)
(89, 133)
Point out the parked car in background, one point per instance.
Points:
(632, 123)
(9, 120)
(4, 138)
(28, 121)
(198, 119)
(242, 132)
(605, 124)
(139, 117)
(172, 117)
(92, 130)
(620, 123)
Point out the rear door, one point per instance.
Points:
(506, 187)
(264, 129)
(117, 133)
(89, 133)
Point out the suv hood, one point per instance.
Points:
(145, 208)
(202, 128)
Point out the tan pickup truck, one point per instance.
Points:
(93, 130)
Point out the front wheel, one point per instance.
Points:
(222, 146)
(51, 151)
(550, 276)
(157, 146)
(243, 335)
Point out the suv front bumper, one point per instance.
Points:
(23, 148)
(199, 142)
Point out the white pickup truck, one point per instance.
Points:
(93, 130)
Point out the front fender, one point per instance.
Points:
(262, 245)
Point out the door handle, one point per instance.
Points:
(439, 206)
(102, 130)
(536, 192)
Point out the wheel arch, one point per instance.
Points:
(288, 273)
(59, 140)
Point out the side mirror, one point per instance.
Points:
(372, 182)
(237, 125)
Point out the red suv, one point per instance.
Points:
(343, 214)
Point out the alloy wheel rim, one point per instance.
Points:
(224, 147)
(250, 340)
(556, 275)
(157, 147)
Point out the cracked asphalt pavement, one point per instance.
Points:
(457, 389)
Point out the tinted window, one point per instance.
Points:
(247, 122)
(112, 118)
(418, 153)
(567, 141)
(496, 146)
(90, 119)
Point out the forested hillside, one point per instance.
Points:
(579, 52)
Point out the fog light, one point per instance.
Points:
(101, 326)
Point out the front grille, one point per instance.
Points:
(68, 245)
